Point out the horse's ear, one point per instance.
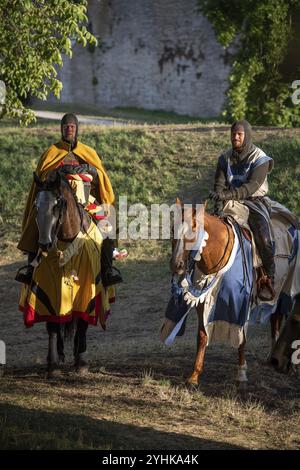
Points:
(205, 204)
(37, 180)
(53, 180)
(178, 201)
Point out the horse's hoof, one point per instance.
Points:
(269, 359)
(82, 370)
(242, 386)
(192, 386)
(82, 367)
(53, 372)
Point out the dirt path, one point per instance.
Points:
(134, 396)
(83, 119)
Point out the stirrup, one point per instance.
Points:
(265, 283)
(25, 277)
(113, 279)
(266, 298)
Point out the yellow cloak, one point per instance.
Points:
(69, 286)
(48, 161)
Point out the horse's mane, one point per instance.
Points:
(193, 202)
(82, 213)
(54, 180)
(53, 183)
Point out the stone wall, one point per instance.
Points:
(153, 54)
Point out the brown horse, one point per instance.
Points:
(60, 217)
(214, 257)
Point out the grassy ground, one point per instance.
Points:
(134, 396)
(184, 158)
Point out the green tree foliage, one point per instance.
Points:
(34, 35)
(260, 33)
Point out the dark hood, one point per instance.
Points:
(242, 154)
(70, 118)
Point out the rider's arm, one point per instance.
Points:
(91, 170)
(219, 187)
(95, 183)
(220, 179)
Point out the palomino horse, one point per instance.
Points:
(283, 355)
(214, 257)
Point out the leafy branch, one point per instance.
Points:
(259, 32)
(34, 35)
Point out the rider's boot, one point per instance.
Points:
(261, 232)
(25, 273)
(110, 274)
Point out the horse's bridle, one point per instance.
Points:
(189, 261)
(62, 206)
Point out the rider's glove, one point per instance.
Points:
(225, 195)
(215, 196)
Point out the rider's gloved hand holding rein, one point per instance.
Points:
(236, 194)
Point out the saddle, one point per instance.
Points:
(264, 284)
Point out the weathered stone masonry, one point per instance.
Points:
(154, 54)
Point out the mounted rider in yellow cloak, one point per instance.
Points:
(70, 151)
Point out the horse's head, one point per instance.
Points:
(185, 232)
(50, 208)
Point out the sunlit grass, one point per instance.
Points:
(146, 165)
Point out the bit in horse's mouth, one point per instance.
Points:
(45, 248)
(180, 272)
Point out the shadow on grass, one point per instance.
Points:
(133, 345)
(22, 428)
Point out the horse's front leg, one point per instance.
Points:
(193, 380)
(242, 367)
(53, 369)
(80, 360)
(275, 321)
